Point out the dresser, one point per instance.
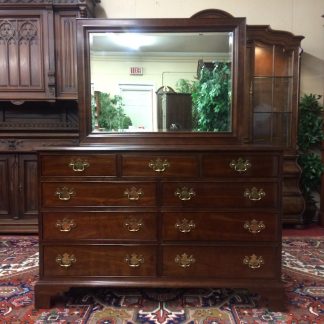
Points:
(160, 217)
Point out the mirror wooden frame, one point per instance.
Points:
(204, 21)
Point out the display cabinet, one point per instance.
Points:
(272, 93)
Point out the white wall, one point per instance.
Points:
(301, 17)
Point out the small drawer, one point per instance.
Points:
(99, 226)
(150, 165)
(78, 165)
(98, 193)
(219, 226)
(239, 262)
(221, 194)
(242, 164)
(99, 260)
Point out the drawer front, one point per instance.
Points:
(240, 165)
(99, 260)
(58, 194)
(78, 165)
(221, 194)
(99, 226)
(217, 226)
(148, 165)
(237, 262)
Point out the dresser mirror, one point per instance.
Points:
(146, 80)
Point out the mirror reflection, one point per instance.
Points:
(161, 82)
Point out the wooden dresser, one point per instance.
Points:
(160, 217)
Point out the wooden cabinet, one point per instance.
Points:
(272, 93)
(133, 217)
(19, 194)
(38, 49)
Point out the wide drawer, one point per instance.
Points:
(221, 194)
(99, 260)
(98, 193)
(220, 226)
(221, 261)
(78, 165)
(240, 164)
(150, 165)
(99, 226)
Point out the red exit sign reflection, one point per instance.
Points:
(136, 70)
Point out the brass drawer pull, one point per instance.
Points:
(240, 165)
(134, 260)
(133, 193)
(185, 193)
(253, 261)
(185, 226)
(79, 165)
(133, 224)
(65, 193)
(254, 194)
(254, 226)
(65, 225)
(159, 165)
(184, 260)
(66, 260)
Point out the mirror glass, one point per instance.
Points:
(161, 82)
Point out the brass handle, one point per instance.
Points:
(65, 225)
(159, 165)
(254, 226)
(184, 260)
(133, 224)
(185, 193)
(253, 261)
(133, 193)
(185, 226)
(65, 193)
(66, 260)
(240, 165)
(79, 165)
(254, 194)
(134, 260)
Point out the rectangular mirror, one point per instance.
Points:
(157, 78)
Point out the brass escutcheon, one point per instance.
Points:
(65, 225)
(254, 194)
(253, 261)
(184, 260)
(133, 224)
(185, 193)
(254, 226)
(65, 193)
(133, 193)
(159, 165)
(134, 260)
(185, 226)
(240, 165)
(66, 260)
(79, 165)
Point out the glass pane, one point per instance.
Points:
(282, 94)
(262, 127)
(282, 62)
(262, 94)
(263, 60)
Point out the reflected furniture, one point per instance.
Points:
(161, 209)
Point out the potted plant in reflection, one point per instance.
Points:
(310, 136)
(108, 111)
(211, 98)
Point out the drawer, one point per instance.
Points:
(99, 226)
(221, 194)
(237, 262)
(240, 164)
(78, 165)
(220, 226)
(98, 193)
(99, 260)
(150, 165)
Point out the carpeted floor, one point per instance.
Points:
(303, 276)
